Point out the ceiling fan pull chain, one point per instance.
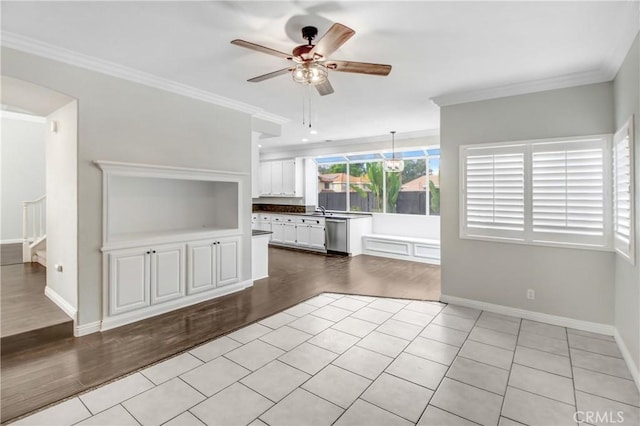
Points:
(309, 106)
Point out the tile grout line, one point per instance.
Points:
(377, 377)
(130, 413)
(449, 368)
(513, 357)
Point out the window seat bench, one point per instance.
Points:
(405, 248)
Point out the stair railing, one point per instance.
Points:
(34, 224)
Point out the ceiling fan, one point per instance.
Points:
(312, 63)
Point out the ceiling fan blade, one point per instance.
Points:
(359, 67)
(269, 75)
(263, 49)
(324, 88)
(337, 35)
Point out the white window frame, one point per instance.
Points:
(527, 236)
(626, 251)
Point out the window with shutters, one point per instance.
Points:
(552, 192)
(623, 193)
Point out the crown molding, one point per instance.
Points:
(559, 82)
(22, 117)
(56, 53)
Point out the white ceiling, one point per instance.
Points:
(435, 48)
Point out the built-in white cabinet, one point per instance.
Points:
(143, 276)
(172, 237)
(302, 235)
(167, 273)
(213, 263)
(281, 178)
(129, 280)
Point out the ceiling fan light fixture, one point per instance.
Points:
(310, 73)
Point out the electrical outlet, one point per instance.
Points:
(531, 294)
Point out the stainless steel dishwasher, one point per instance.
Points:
(337, 230)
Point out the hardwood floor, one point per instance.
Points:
(28, 316)
(10, 254)
(36, 378)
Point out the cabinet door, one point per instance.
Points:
(289, 233)
(228, 261)
(278, 232)
(317, 237)
(202, 267)
(167, 273)
(289, 178)
(276, 178)
(302, 234)
(265, 178)
(128, 280)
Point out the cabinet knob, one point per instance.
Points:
(149, 252)
(154, 251)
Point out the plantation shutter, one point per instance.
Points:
(494, 192)
(622, 192)
(567, 190)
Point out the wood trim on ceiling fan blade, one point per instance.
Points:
(269, 75)
(262, 49)
(359, 67)
(331, 41)
(324, 88)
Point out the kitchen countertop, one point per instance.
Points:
(257, 232)
(329, 215)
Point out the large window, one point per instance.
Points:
(543, 192)
(623, 193)
(358, 183)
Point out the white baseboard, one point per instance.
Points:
(628, 359)
(83, 330)
(11, 241)
(593, 327)
(429, 261)
(61, 302)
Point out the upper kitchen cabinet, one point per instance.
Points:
(281, 178)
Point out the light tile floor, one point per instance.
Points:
(353, 360)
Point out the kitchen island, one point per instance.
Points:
(260, 254)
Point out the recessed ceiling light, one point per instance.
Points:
(305, 140)
(313, 132)
(259, 146)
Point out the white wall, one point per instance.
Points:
(22, 168)
(124, 121)
(626, 88)
(62, 203)
(568, 282)
(407, 225)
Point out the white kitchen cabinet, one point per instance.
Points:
(289, 178)
(265, 178)
(282, 178)
(276, 178)
(139, 277)
(302, 235)
(317, 237)
(277, 227)
(289, 230)
(213, 263)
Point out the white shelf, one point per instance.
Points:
(145, 204)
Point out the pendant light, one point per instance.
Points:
(393, 165)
